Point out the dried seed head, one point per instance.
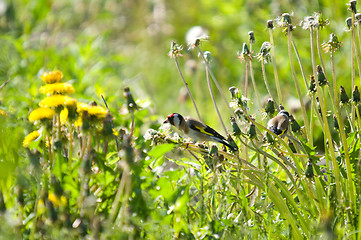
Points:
(175, 50)
(348, 23)
(251, 38)
(207, 56)
(356, 95)
(270, 107)
(344, 99)
(295, 127)
(236, 130)
(245, 54)
(252, 131)
(309, 169)
(312, 87)
(352, 6)
(322, 81)
(270, 24)
(358, 17)
(264, 54)
(335, 122)
(332, 45)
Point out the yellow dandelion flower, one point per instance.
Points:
(30, 138)
(64, 116)
(57, 101)
(54, 199)
(57, 88)
(81, 107)
(41, 113)
(97, 112)
(3, 113)
(52, 77)
(78, 122)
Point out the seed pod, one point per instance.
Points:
(252, 131)
(335, 122)
(312, 87)
(236, 130)
(309, 169)
(321, 76)
(251, 38)
(344, 99)
(356, 95)
(295, 127)
(270, 107)
(270, 24)
(292, 146)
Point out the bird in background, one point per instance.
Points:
(197, 130)
(279, 124)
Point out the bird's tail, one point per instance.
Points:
(228, 145)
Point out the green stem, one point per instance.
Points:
(189, 91)
(303, 108)
(273, 52)
(214, 100)
(267, 85)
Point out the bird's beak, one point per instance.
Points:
(166, 121)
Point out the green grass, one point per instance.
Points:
(75, 182)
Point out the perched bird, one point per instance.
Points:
(279, 124)
(196, 129)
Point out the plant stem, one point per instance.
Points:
(266, 83)
(273, 52)
(254, 84)
(246, 79)
(215, 80)
(303, 108)
(189, 91)
(214, 101)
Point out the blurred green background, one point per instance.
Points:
(102, 46)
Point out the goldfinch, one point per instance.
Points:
(196, 129)
(279, 124)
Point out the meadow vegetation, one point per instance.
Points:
(86, 85)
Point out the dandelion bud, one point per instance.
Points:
(130, 101)
(251, 38)
(353, 6)
(358, 17)
(236, 130)
(214, 151)
(344, 99)
(269, 139)
(20, 195)
(252, 131)
(312, 87)
(321, 76)
(356, 95)
(292, 146)
(264, 54)
(335, 122)
(270, 24)
(207, 56)
(295, 127)
(309, 169)
(286, 18)
(234, 92)
(349, 22)
(270, 107)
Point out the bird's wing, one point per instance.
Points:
(203, 128)
(284, 126)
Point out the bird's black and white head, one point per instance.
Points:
(284, 113)
(175, 119)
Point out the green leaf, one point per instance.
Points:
(160, 150)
